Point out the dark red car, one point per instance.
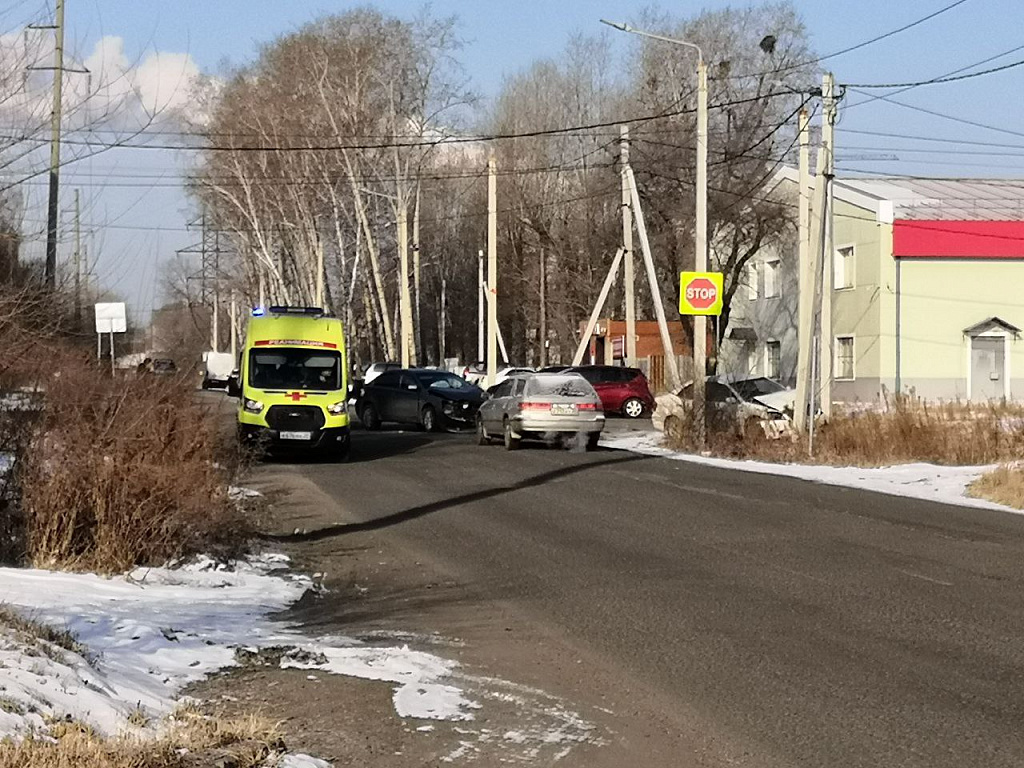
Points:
(622, 390)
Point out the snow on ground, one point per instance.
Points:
(150, 633)
(931, 482)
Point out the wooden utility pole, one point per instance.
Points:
(418, 335)
(492, 271)
(627, 245)
(52, 211)
(805, 276)
(234, 327)
(405, 310)
(481, 327)
(542, 331)
(78, 263)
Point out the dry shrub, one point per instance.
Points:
(1003, 485)
(906, 429)
(187, 742)
(32, 632)
(122, 472)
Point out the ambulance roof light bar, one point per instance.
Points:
(285, 310)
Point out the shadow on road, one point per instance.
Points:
(436, 506)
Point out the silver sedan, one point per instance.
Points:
(541, 406)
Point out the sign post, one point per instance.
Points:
(111, 318)
(700, 293)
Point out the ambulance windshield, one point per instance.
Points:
(286, 368)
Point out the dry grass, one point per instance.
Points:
(188, 741)
(39, 635)
(122, 472)
(1004, 485)
(906, 430)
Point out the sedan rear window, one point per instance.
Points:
(564, 386)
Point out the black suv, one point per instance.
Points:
(427, 398)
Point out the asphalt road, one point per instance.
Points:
(818, 626)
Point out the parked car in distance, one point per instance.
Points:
(429, 399)
(743, 405)
(622, 390)
(376, 369)
(164, 367)
(541, 406)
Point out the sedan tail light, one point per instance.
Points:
(535, 406)
(590, 407)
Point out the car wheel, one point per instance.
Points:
(511, 441)
(428, 419)
(592, 440)
(674, 429)
(633, 408)
(369, 417)
(481, 433)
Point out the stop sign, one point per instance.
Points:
(701, 293)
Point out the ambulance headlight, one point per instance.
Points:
(336, 409)
(253, 406)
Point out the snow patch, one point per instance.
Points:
(931, 482)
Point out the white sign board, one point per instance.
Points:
(111, 318)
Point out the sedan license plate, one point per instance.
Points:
(559, 409)
(296, 435)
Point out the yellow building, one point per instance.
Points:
(927, 291)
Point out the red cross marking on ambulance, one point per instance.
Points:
(296, 396)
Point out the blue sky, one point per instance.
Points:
(503, 37)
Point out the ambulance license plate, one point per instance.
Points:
(296, 435)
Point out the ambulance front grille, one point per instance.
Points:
(295, 418)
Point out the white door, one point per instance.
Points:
(988, 368)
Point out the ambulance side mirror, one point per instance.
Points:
(234, 386)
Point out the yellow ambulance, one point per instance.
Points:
(292, 381)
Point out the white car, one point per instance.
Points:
(376, 369)
(738, 405)
(476, 373)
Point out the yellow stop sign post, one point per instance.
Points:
(700, 293)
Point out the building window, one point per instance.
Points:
(844, 358)
(771, 278)
(842, 269)
(752, 280)
(772, 359)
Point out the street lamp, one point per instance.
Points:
(700, 333)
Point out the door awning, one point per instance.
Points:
(991, 324)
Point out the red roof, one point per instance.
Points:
(958, 239)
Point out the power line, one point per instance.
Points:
(932, 112)
(415, 142)
(858, 46)
(911, 137)
(939, 80)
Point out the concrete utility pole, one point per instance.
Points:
(805, 276)
(52, 210)
(822, 272)
(481, 327)
(404, 299)
(627, 245)
(215, 326)
(492, 271)
(652, 278)
(700, 322)
(78, 263)
(441, 327)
